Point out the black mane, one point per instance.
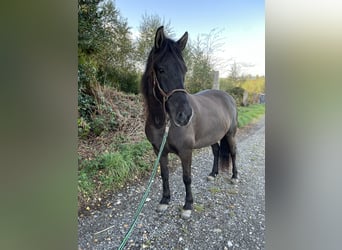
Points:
(169, 48)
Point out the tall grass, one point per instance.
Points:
(111, 170)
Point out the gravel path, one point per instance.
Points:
(225, 216)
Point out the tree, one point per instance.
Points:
(89, 26)
(201, 61)
(117, 66)
(89, 34)
(199, 75)
(105, 50)
(147, 31)
(234, 72)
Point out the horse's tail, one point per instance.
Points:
(224, 154)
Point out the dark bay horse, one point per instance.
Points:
(200, 120)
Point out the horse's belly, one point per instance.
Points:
(210, 138)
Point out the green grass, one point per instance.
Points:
(214, 190)
(249, 114)
(111, 170)
(199, 208)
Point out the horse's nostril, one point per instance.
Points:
(181, 116)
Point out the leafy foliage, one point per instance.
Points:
(86, 104)
(237, 93)
(90, 30)
(201, 61)
(256, 85)
(201, 74)
(105, 49)
(83, 127)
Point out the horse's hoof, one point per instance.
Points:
(210, 178)
(162, 207)
(234, 181)
(186, 214)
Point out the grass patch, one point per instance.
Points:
(199, 208)
(214, 190)
(111, 170)
(247, 115)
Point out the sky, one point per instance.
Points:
(241, 22)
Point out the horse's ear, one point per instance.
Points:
(160, 36)
(183, 40)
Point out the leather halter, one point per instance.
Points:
(165, 96)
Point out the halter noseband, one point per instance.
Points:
(165, 96)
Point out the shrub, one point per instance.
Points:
(98, 125)
(87, 70)
(83, 127)
(86, 105)
(126, 80)
(237, 93)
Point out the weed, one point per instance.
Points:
(83, 127)
(199, 208)
(214, 190)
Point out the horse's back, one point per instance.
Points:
(210, 93)
(216, 99)
(215, 115)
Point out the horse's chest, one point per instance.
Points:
(154, 135)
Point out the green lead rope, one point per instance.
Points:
(147, 191)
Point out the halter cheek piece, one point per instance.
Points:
(165, 96)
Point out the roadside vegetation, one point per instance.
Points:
(250, 114)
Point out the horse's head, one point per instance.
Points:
(168, 77)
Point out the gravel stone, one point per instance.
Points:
(225, 215)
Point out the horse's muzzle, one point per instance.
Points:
(183, 118)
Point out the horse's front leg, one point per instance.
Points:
(164, 170)
(186, 165)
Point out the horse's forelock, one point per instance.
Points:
(168, 46)
(172, 47)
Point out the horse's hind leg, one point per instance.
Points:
(216, 150)
(232, 151)
(164, 170)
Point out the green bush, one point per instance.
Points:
(129, 82)
(237, 94)
(87, 70)
(123, 79)
(104, 119)
(98, 125)
(86, 105)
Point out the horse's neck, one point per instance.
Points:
(156, 112)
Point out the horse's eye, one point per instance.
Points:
(161, 70)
